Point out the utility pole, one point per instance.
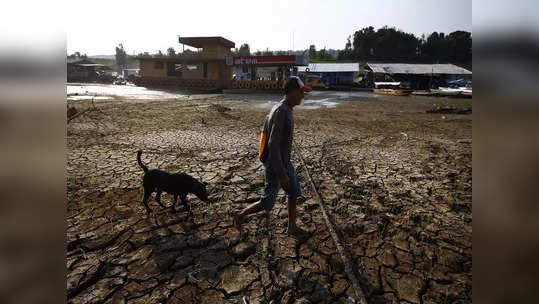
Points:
(292, 41)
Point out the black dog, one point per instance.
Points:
(178, 184)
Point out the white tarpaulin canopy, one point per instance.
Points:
(330, 67)
(423, 69)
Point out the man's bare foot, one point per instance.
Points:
(238, 221)
(296, 231)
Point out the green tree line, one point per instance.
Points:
(388, 43)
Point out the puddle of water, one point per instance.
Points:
(319, 99)
(315, 104)
(306, 105)
(87, 97)
(122, 91)
(313, 100)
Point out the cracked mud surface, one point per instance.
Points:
(396, 182)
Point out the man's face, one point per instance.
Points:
(296, 96)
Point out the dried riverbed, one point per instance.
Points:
(397, 183)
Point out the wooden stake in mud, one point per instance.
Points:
(347, 264)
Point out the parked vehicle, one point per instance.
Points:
(314, 81)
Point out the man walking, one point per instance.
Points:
(279, 172)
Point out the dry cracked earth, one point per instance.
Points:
(396, 182)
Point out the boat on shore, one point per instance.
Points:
(395, 92)
(390, 88)
(423, 93)
(466, 91)
(446, 91)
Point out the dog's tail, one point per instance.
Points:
(139, 153)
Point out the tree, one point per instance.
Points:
(348, 46)
(258, 53)
(74, 55)
(312, 52)
(323, 54)
(188, 52)
(171, 52)
(459, 44)
(364, 43)
(267, 52)
(434, 48)
(389, 43)
(346, 54)
(385, 43)
(395, 44)
(244, 50)
(121, 56)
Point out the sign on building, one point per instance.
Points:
(263, 60)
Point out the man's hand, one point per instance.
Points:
(284, 182)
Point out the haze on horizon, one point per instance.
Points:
(151, 26)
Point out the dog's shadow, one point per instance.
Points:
(188, 251)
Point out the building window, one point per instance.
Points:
(158, 65)
(205, 70)
(174, 69)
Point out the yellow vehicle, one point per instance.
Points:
(314, 81)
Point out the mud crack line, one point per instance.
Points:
(347, 263)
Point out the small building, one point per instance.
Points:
(206, 68)
(332, 74)
(418, 76)
(264, 72)
(84, 70)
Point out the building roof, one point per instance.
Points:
(77, 60)
(180, 58)
(414, 68)
(199, 42)
(94, 65)
(331, 67)
(91, 64)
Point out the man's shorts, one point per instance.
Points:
(272, 185)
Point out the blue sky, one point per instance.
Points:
(154, 25)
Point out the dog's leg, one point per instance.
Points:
(147, 194)
(183, 198)
(158, 198)
(174, 203)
